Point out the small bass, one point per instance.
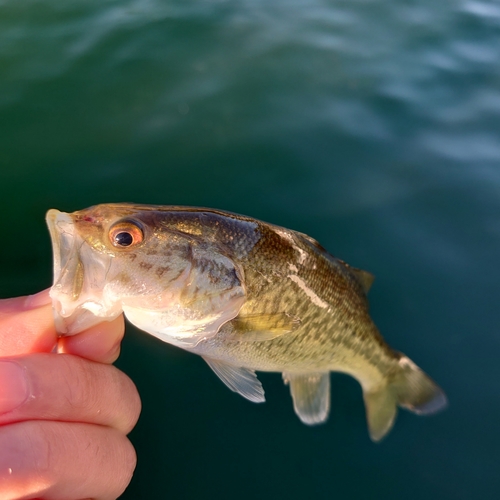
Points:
(243, 294)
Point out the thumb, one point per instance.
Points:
(27, 325)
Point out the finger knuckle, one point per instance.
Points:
(80, 390)
(133, 408)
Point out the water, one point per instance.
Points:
(373, 126)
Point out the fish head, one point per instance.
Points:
(169, 280)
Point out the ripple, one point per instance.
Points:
(472, 147)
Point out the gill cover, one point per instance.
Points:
(210, 292)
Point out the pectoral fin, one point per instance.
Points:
(259, 327)
(238, 379)
(311, 395)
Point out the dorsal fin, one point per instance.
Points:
(365, 278)
(313, 242)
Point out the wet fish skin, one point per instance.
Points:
(244, 294)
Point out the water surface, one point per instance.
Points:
(371, 125)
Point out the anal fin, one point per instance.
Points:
(238, 379)
(310, 394)
(381, 411)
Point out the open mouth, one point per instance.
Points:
(77, 306)
(68, 269)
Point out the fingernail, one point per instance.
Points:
(13, 386)
(19, 304)
(37, 300)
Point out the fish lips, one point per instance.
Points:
(77, 292)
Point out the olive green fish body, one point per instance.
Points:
(244, 294)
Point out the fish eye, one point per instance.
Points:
(125, 234)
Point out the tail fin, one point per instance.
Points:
(410, 388)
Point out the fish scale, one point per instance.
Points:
(244, 294)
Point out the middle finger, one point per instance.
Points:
(66, 387)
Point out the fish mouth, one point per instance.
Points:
(77, 302)
(66, 260)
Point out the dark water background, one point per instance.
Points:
(371, 125)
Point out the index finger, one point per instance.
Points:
(27, 325)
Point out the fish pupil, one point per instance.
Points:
(124, 239)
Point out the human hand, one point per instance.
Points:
(63, 417)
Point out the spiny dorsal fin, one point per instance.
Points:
(365, 279)
(312, 241)
(310, 394)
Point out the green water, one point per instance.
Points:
(371, 125)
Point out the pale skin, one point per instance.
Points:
(64, 417)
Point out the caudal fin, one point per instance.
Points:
(410, 388)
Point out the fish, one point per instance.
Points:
(243, 294)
